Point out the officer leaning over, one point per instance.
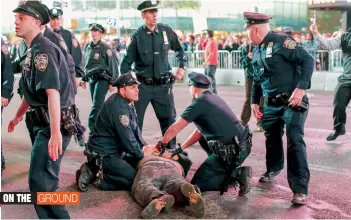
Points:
(276, 60)
(101, 66)
(148, 49)
(342, 93)
(48, 101)
(115, 147)
(220, 134)
(7, 81)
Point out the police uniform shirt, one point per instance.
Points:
(101, 55)
(117, 129)
(7, 77)
(146, 46)
(213, 117)
(74, 49)
(46, 68)
(279, 66)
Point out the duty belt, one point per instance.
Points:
(278, 100)
(167, 78)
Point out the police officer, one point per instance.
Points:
(7, 81)
(48, 89)
(245, 62)
(216, 123)
(276, 59)
(116, 143)
(342, 92)
(73, 48)
(101, 68)
(148, 49)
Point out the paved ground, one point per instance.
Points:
(330, 167)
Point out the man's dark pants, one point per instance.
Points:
(98, 91)
(246, 111)
(210, 70)
(274, 119)
(162, 100)
(342, 96)
(44, 172)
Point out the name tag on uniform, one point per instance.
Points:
(165, 38)
(96, 56)
(269, 51)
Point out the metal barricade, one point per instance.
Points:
(322, 60)
(198, 59)
(223, 59)
(235, 59)
(336, 61)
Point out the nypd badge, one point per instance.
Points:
(124, 119)
(4, 49)
(96, 56)
(74, 42)
(63, 44)
(289, 43)
(41, 62)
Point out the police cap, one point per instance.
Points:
(126, 79)
(199, 80)
(96, 27)
(35, 9)
(56, 13)
(287, 30)
(255, 18)
(148, 6)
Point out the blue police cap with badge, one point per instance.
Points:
(126, 79)
(56, 12)
(148, 6)
(255, 18)
(199, 80)
(96, 27)
(35, 9)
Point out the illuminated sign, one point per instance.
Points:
(331, 4)
(314, 2)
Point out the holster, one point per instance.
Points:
(103, 75)
(68, 119)
(224, 153)
(94, 161)
(38, 116)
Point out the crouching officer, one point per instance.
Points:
(7, 80)
(115, 146)
(282, 73)
(148, 49)
(48, 101)
(221, 135)
(101, 66)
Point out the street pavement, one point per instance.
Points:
(329, 163)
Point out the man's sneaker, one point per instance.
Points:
(195, 200)
(335, 134)
(243, 175)
(81, 140)
(155, 206)
(267, 177)
(299, 199)
(85, 177)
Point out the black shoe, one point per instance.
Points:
(195, 200)
(299, 199)
(85, 178)
(243, 175)
(332, 136)
(156, 205)
(267, 177)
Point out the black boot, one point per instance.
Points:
(243, 176)
(332, 136)
(85, 177)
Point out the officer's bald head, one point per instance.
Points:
(257, 32)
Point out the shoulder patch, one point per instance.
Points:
(4, 49)
(109, 52)
(289, 43)
(41, 62)
(124, 119)
(74, 42)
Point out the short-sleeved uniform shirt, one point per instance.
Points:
(44, 68)
(117, 129)
(214, 118)
(6, 72)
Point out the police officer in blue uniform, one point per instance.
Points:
(148, 49)
(115, 146)
(220, 133)
(48, 101)
(7, 81)
(101, 66)
(282, 73)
